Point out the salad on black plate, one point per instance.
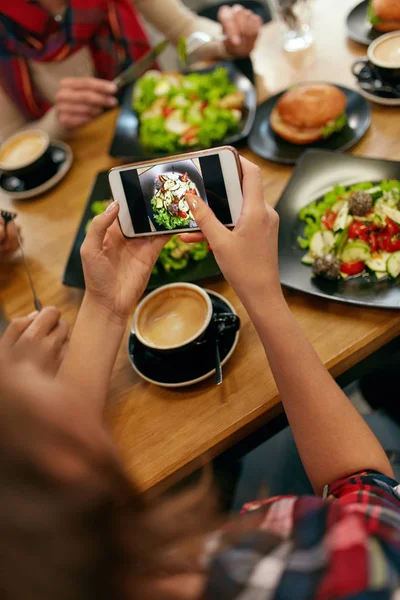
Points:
(178, 111)
(353, 231)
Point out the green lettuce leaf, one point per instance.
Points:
(372, 16)
(334, 127)
(143, 93)
(199, 251)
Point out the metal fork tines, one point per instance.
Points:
(9, 217)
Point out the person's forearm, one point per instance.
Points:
(91, 354)
(332, 438)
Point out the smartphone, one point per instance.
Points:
(151, 194)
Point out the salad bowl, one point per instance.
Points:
(126, 143)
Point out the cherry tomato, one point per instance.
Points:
(167, 110)
(328, 219)
(373, 241)
(358, 229)
(389, 243)
(182, 214)
(392, 227)
(204, 105)
(176, 200)
(395, 243)
(352, 268)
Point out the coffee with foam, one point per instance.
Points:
(387, 52)
(22, 149)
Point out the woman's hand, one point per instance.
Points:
(81, 99)
(116, 269)
(39, 338)
(241, 27)
(248, 255)
(8, 240)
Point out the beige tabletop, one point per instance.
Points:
(164, 434)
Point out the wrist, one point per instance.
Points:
(95, 308)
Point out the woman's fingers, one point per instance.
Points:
(94, 240)
(43, 324)
(211, 227)
(58, 336)
(253, 194)
(193, 238)
(16, 328)
(85, 97)
(94, 84)
(227, 18)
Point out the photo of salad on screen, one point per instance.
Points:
(164, 188)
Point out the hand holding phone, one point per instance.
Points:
(152, 195)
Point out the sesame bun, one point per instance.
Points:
(301, 113)
(389, 13)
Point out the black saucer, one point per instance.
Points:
(366, 79)
(199, 362)
(264, 141)
(359, 28)
(34, 183)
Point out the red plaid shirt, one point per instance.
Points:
(344, 545)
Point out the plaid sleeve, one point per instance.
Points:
(369, 487)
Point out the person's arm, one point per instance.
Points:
(332, 438)
(173, 19)
(116, 274)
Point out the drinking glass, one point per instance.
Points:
(295, 19)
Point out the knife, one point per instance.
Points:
(141, 66)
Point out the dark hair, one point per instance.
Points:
(72, 524)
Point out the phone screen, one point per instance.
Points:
(156, 194)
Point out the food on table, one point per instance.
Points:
(169, 205)
(183, 111)
(176, 255)
(354, 230)
(384, 15)
(309, 112)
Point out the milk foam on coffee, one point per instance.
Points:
(22, 150)
(172, 317)
(388, 51)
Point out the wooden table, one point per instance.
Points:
(163, 434)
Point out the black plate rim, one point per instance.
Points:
(346, 146)
(234, 139)
(316, 292)
(202, 377)
(353, 36)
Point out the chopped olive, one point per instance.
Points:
(360, 203)
(327, 267)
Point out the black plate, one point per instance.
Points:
(359, 28)
(315, 174)
(264, 141)
(73, 274)
(199, 361)
(126, 144)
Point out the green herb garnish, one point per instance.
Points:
(335, 126)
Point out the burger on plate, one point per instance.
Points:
(309, 112)
(384, 15)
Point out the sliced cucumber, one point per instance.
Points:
(376, 192)
(354, 251)
(349, 221)
(322, 243)
(393, 264)
(336, 207)
(380, 275)
(307, 259)
(340, 243)
(341, 219)
(392, 213)
(378, 263)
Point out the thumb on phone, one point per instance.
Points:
(212, 229)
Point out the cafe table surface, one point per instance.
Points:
(164, 434)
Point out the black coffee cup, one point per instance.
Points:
(382, 63)
(213, 323)
(26, 154)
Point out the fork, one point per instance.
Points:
(195, 41)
